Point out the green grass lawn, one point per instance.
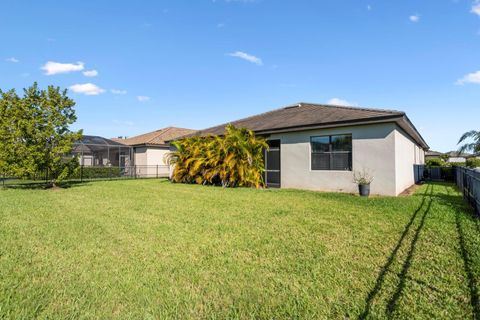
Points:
(150, 249)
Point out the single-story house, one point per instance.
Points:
(449, 157)
(319, 147)
(149, 150)
(95, 151)
(431, 154)
(455, 156)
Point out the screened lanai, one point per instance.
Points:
(98, 151)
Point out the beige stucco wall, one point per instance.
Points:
(373, 151)
(140, 156)
(148, 158)
(383, 150)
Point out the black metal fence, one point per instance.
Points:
(468, 181)
(90, 173)
(424, 173)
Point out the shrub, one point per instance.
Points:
(435, 162)
(473, 163)
(362, 177)
(96, 173)
(235, 159)
(455, 164)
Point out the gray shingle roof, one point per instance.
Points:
(304, 114)
(310, 115)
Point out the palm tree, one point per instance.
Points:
(235, 159)
(472, 146)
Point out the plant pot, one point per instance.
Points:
(364, 190)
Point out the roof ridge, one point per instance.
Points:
(352, 107)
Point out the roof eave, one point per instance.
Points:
(400, 119)
(152, 145)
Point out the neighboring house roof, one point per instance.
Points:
(304, 116)
(456, 154)
(431, 153)
(97, 140)
(95, 143)
(156, 138)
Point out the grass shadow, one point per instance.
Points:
(386, 268)
(36, 185)
(43, 185)
(392, 304)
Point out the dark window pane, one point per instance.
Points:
(273, 178)
(273, 143)
(273, 160)
(341, 161)
(320, 144)
(320, 161)
(342, 143)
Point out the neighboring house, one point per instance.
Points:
(430, 154)
(99, 151)
(149, 150)
(449, 157)
(318, 147)
(457, 157)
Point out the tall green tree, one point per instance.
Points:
(473, 145)
(35, 135)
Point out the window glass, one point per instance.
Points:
(342, 143)
(320, 161)
(320, 144)
(331, 152)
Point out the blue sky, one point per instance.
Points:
(138, 66)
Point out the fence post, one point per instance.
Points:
(157, 171)
(135, 171)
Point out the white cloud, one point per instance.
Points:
(143, 98)
(247, 57)
(90, 73)
(52, 67)
(340, 102)
(473, 77)
(117, 91)
(12, 59)
(414, 18)
(476, 8)
(88, 89)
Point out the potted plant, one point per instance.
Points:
(363, 179)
